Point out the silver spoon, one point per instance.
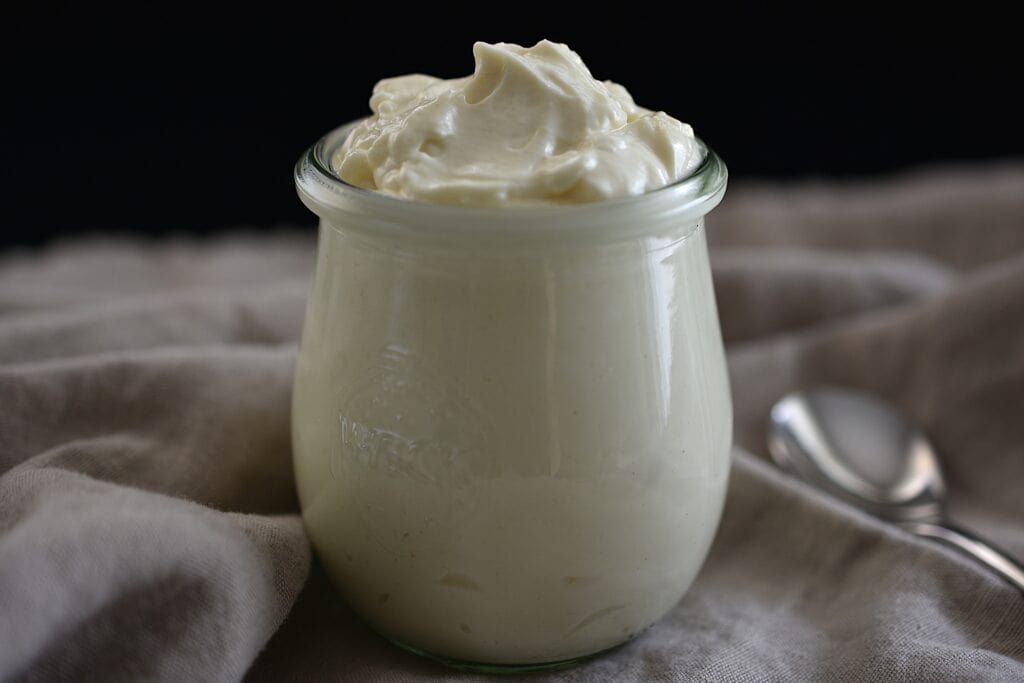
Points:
(863, 450)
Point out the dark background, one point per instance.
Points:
(119, 122)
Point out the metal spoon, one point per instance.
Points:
(863, 450)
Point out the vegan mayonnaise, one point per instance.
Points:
(530, 125)
(511, 422)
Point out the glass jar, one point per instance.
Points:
(511, 425)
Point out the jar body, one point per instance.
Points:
(511, 455)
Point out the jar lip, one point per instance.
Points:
(651, 213)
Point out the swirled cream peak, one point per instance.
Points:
(530, 125)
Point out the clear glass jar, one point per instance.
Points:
(511, 425)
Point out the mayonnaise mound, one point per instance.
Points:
(531, 125)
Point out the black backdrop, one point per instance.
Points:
(121, 122)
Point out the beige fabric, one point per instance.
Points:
(148, 525)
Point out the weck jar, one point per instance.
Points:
(511, 425)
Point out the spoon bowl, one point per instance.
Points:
(863, 450)
(858, 448)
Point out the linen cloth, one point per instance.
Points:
(149, 527)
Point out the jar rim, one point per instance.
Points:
(667, 209)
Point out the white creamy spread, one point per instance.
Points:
(511, 451)
(530, 125)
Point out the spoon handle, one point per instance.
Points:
(966, 542)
